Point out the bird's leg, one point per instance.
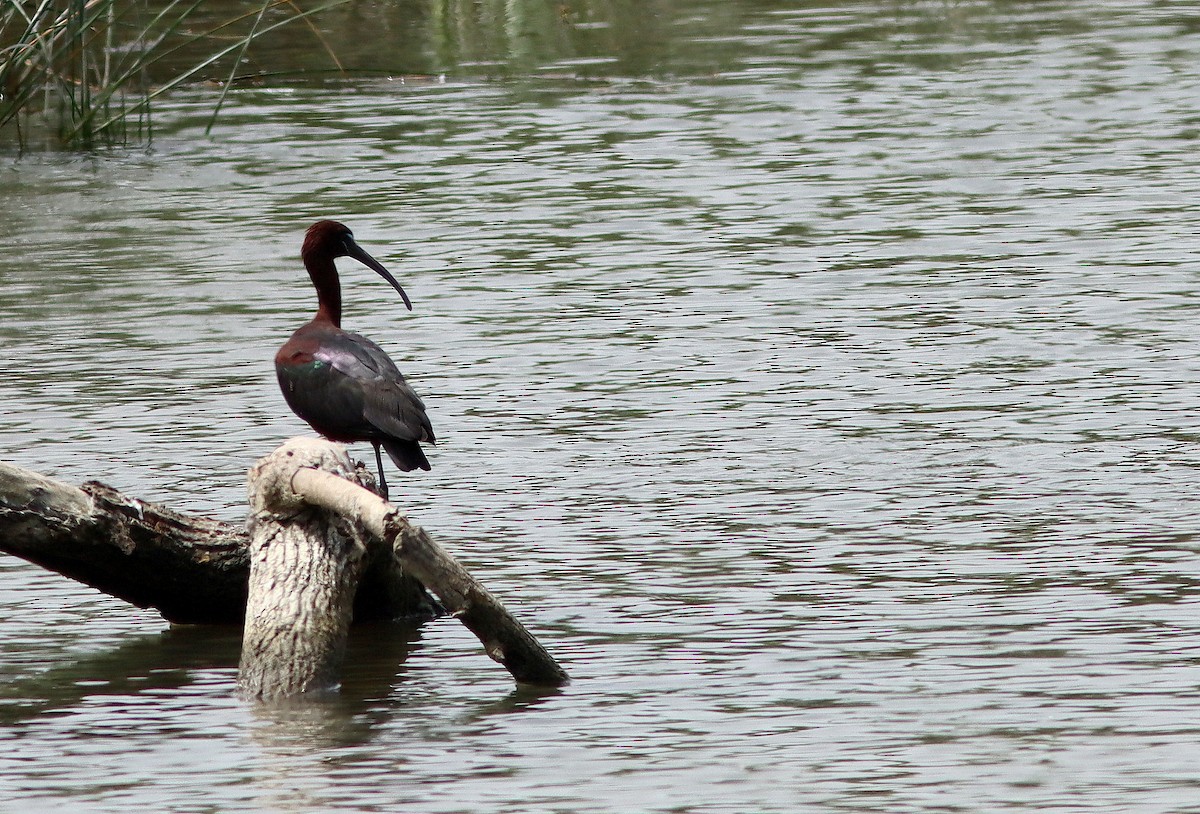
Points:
(383, 492)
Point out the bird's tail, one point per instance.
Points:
(406, 455)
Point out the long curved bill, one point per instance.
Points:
(357, 252)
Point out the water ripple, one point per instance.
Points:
(823, 396)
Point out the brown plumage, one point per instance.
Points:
(341, 383)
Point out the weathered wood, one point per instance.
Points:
(191, 569)
(322, 544)
(305, 563)
(504, 638)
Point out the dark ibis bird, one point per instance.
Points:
(341, 383)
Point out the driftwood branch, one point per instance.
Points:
(504, 638)
(333, 489)
(191, 569)
(320, 550)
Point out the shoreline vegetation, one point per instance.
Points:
(87, 71)
(85, 74)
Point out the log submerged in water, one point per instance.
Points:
(308, 484)
(305, 564)
(369, 564)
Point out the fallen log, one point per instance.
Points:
(191, 569)
(286, 488)
(305, 565)
(373, 564)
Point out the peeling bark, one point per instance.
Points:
(190, 569)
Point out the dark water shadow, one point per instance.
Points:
(170, 660)
(350, 715)
(166, 660)
(523, 698)
(366, 702)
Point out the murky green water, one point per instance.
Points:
(819, 383)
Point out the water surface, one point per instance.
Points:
(819, 384)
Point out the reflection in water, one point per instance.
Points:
(818, 384)
(165, 661)
(518, 38)
(422, 38)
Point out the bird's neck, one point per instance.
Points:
(329, 290)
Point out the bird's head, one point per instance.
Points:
(328, 239)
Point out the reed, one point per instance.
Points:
(90, 69)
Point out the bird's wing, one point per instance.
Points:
(357, 357)
(399, 412)
(388, 403)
